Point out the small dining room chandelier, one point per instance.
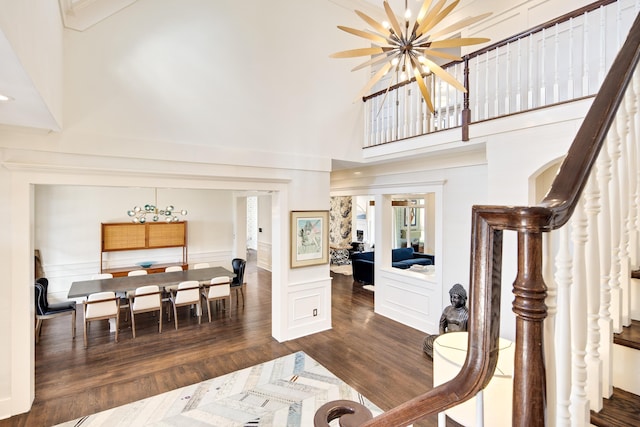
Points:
(406, 48)
(169, 214)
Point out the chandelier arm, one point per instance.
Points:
(423, 88)
(376, 59)
(384, 98)
(429, 17)
(352, 53)
(423, 10)
(381, 72)
(393, 20)
(439, 54)
(463, 41)
(375, 24)
(364, 34)
(443, 14)
(440, 72)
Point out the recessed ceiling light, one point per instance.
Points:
(5, 98)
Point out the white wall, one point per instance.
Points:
(67, 229)
(517, 148)
(458, 182)
(295, 293)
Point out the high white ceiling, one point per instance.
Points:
(27, 107)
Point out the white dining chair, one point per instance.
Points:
(102, 276)
(218, 289)
(137, 273)
(101, 306)
(201, 265)
(173, 268)
(143, 300)
(187, 293)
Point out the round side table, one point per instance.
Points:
(494, 402)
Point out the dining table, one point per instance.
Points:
(84, 288)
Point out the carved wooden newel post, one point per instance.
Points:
(529, 383)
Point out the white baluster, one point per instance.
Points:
(531, 77)
(476, 89)
(496, 92)
(507, 85)
(623, 122)
(456, 99)
(632, 98)
(603, 168)
(417, 99)
(486, 86)
(556, 54)
(636, 90)
(550, 325)
(585, 55)
(570, 53)
(519, 78)
(563, 328)
(579, 407)
(613, 145)
(543, 78)
(395, 119)
(593, 361)
(602, 66)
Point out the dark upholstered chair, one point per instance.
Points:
(238, 265)
(45, 311)
(362, 263)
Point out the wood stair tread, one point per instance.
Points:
(621, 410)
(630, 336)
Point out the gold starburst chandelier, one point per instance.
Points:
(407, 48)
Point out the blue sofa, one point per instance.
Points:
(362, 263)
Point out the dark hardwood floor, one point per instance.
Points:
(378, 357)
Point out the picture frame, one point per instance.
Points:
(309, 238)
(410, 217)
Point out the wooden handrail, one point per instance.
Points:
(530, 222)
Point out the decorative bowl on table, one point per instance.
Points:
(146, 264)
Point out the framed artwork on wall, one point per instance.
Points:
(309, 238)
(410, 217)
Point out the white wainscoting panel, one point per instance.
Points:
(309, 309)
(264, 255)
(409, 298)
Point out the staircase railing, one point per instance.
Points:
(530, 223)
(562, 60)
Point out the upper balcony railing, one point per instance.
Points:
(559, 61)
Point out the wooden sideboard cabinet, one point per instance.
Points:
(128, 236)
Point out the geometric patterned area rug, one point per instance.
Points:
(282, 392)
